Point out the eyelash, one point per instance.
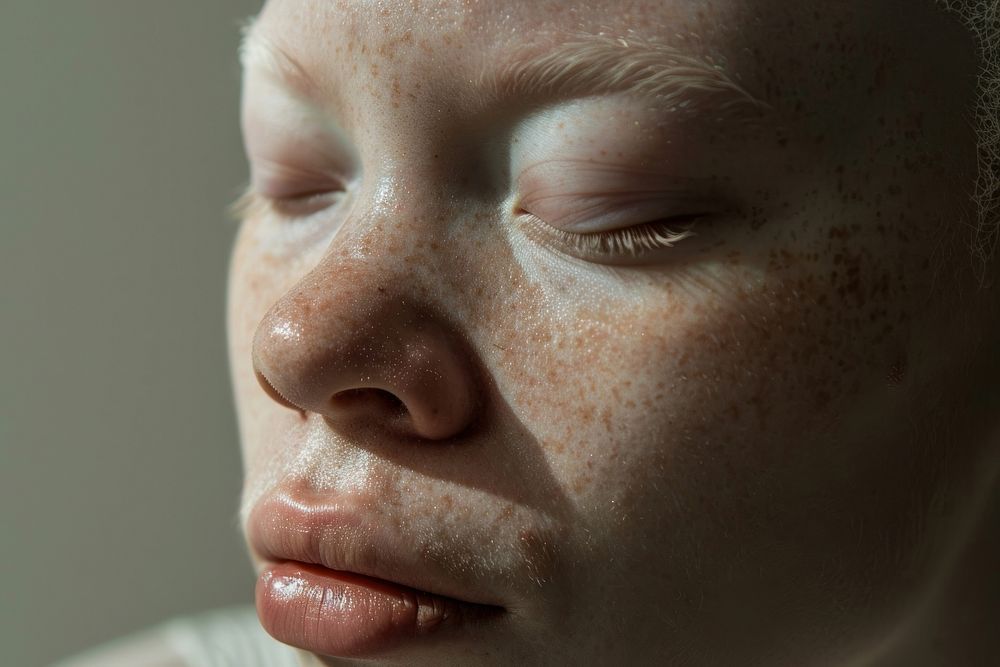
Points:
(627, 242)
(246, 205)
(251, 203)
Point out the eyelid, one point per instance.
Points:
(294, 150)
(613, 220)
(638, 244)
(275, 179)
(586, 195)
(586, 213)
(254, 204)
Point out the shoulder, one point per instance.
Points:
(217, 638)
(147, 649)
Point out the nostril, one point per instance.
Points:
(364, 398)
(397, 367)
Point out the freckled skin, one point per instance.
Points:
(758, 450)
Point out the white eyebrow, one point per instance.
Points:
(582, 65)
(589, 64)
(259, 53)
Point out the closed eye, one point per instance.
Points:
(618, 245)
(287, 208)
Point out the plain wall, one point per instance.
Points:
(119, 462)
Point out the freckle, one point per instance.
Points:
(897, 372)
(506, 513)
(581, 483)
(557, 447)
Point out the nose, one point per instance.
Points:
(344, 345)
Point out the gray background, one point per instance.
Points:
(119, 463)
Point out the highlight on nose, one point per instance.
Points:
(389, 365)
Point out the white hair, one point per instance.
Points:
(982, 18)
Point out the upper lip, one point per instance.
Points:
(341, 535)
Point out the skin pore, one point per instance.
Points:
(680, 361)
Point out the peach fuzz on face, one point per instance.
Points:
(661, 455)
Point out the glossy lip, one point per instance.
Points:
(385, 591)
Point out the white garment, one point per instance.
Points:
(229, 637)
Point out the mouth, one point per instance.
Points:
(332, 584)
(344, 614)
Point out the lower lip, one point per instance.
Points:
(349, 615)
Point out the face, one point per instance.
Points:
(593, 332)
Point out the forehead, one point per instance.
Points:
(446, 46)
(395, 73)
(436, 29)
(427, 57)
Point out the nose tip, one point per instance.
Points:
(269, 389)
(393, 366)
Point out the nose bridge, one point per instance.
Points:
(381, 265)
(363, 334)
(407, 237)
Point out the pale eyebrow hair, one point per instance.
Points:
(257, 52)
(581, 66)
(595, 64)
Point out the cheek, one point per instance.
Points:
(702, 420)
(257, 279)
(717, 377)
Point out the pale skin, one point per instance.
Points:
(730, 451)
(773, 443)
